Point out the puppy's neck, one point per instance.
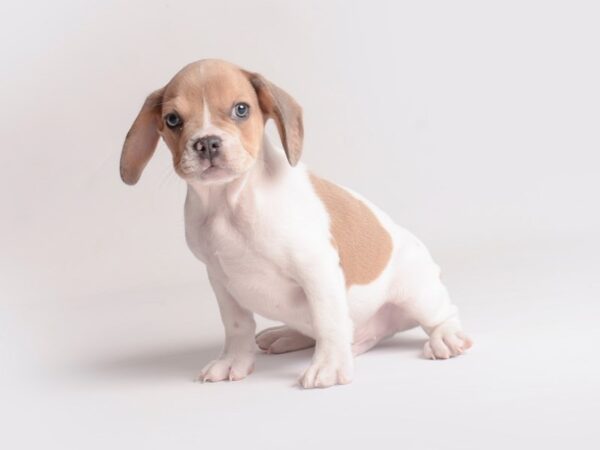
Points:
(226, 197)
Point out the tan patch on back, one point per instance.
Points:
(363, 244)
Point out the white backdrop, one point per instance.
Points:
(474, 124)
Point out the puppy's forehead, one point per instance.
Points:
(213, 79)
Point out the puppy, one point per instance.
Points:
(279, 241)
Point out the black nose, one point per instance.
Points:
(208, 146)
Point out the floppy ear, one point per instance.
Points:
(281, 107)
(141, 139)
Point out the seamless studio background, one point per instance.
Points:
(473, 124)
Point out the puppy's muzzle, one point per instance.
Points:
(208, 147)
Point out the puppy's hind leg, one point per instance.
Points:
(387, 321)
(432, 309)
(282, 339)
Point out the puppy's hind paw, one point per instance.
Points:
(446, 343)
(282, 340)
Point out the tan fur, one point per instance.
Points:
(363, 244)
(141, 139)
(219, 85)
(285, 111)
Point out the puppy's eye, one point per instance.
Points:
(241, 110)
(173, 120)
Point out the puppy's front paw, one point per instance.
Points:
(227, 368)
(446, 341)
(328, 371)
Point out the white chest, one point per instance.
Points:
(249, 260)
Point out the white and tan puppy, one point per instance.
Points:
(279, 241)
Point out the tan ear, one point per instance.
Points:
(281, 107)
(141, 139)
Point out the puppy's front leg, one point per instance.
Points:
(325, 290)
(237, 359)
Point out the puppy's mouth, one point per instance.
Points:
(212, 168)
(215, 172)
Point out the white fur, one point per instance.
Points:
(206, 123)
(266, 243)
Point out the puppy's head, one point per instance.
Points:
(211, 116)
